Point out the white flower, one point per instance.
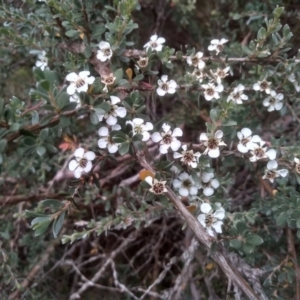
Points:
(79, 83)
(165, 86)
(42, 61)
(167, 138)
(217, 45)
(114, 112)
(212, 220)
(105, 52)
(297, 165)
(75, 98)
(271, 173)
(82, 162)
(196, 60)
(188, 157)
(274, 102)
(155, 43)
(246, 140)
(262, 86)
(208, 183)
(221, 74)
(138, 127)
(106, 141)
(157, 187)
(211, 91)
(260, 152)
(198, 74)
(212, 143)
(237, 95)
(185, 185)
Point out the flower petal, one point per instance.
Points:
(73, 164)
(156, 137)
(79, 152)
(205, 208)
(90, 155)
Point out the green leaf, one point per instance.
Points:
(44, 84)
(254, 239)
(119, 75)
(94, 118)
(29, 141)
(261, 33)
(38, 220)
(69, 106)
(44, 134)
(282, 219)
(35, 118)
(72, 33)
(104, 106)
(215, 115)
(1, 106)
(40, 150)
(58, 223)
(119, 137)
(278, 12)
(56, 204)
(45, 120)
(50, 148)
(137, 137)
(3, 144)
(124, 148)
(298, 223)
(229, 123)
(138, 77)
(235, 243)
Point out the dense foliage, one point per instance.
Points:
(149, 149)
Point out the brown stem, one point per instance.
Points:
(220, 255)
(292, 251)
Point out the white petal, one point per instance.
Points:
(206, 177)
(101, 56)
(148, 126)
(172, 84)
(212, 47)
(103, 131)
(183, 192)
(193, 190)
(156, 137)
(77, 172)
(163, 149)
(90, 80)
(79, 152)
(183, 176)
(214, 153)
(160, 91)
(283, 172)
(175, 145)
(242, 148)
(164, 78)
(177, 183)
(112, 148)
(146, 136)
(278, 105)
(166, 127)
(218, 226)
(72, 77)
(201, 219)
(83, 88)
(209, 231)
(177, 155)
(271, 154)
(219, 134)
(84, 74)
(71, 89)
(104, 45)
(208, 191)
(171, 90)
(138, 121)
(153, 37)
(296, 160)
(114, 100)
(215, 183)
(272, 164)
(111, 120)
(90, 155)
(73, 164)
(121, 112)
(219, 214)
(256, 86)
(205, 208)
(102, 143)
(160, 40)
(246, 132)
(203, 137)
(280, 97)
(177, 132)
(266, 102)
(256, 139)
(149, 180)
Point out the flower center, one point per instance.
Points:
(143, 62)
(236, 96)
(188, 156)
(108, 80)
(212, 143)
(165, 86)
(112, 110)
(186, 183)
(272, 100)
(110, 141)
(210, 91)
(138, 129)
(264, 85)
(154, 44)
(220, 48)
(259, 152)
(195, 60)
(245, 141)
(208, 220)
(221, 74)
(158, 188)
(271, 174)
(83, 162)
(167, 139)
(79, 83)
(107, 52)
